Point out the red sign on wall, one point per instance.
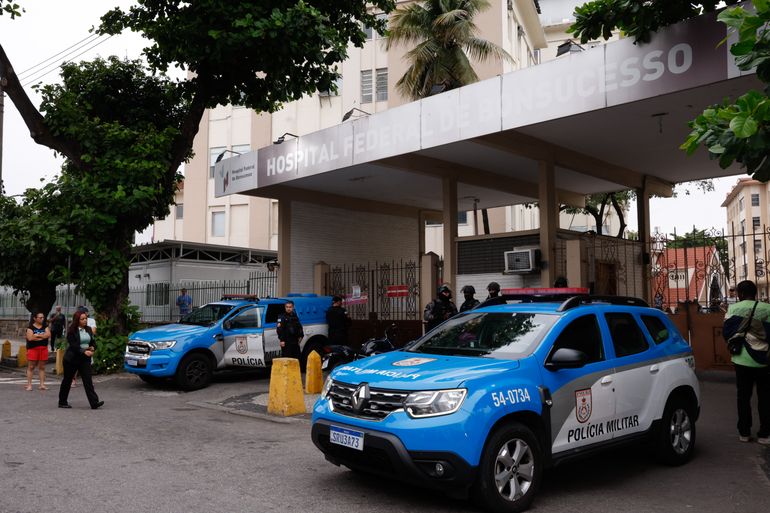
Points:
(397, 291)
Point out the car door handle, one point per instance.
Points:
(606, 380)
(654, 369)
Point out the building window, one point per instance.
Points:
(369, 31)
(757, 246)
(366, 86)
(755, 222)
(382, 84)
(241, 148)
(180, 211)
(334, 91)
(213, 154)
(743, 226)
(462, 218)
(755, 200)
(217, 224)
(740, 204)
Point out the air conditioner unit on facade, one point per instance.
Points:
(522, 260)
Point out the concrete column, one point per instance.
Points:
(428, 279)
(643, 219)
(574, 264)
(284, 247)
(549, 221)
(449, 219)
(320, 270)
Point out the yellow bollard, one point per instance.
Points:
(21, 357)
(285, 397)
(313, 374)
(7, 349)
(59, 362)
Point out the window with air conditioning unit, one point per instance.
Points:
(522, 260)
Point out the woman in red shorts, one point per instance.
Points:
(37, 349)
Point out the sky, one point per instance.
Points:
(50, 26)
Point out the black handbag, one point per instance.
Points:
(738, 341)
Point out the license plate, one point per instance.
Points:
(346, 437)
(132, 363)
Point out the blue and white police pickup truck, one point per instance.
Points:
(238, 331)
(491, 397)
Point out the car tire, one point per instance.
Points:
(194, 372)
(675, 436)
(510, 470)
(151, 380)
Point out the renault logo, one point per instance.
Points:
(360, 397)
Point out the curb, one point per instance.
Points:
(250, 414)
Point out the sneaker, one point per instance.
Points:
(744, 439)
(764, 440)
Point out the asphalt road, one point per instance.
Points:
(158, 450)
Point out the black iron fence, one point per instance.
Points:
(703, 266)
(380, 290)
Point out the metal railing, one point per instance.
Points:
(156, 301)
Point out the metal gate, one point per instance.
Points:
(377, 291)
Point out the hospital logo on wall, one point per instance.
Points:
(241, 346)
(583, 406)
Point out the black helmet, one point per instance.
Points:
(468, 289)
(493, 287)
(444, 288)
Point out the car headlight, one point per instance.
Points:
(162, 344)
(432, 403)
(327, 386)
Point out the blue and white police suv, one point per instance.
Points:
(238, 331)
(488, 399)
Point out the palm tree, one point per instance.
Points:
(446, 42)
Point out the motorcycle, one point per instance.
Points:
(335, 355)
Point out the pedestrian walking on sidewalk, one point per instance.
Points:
(77, 358)
(751, 319)
(37, 349)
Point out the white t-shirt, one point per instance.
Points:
(91, 322)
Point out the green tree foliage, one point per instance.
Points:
(445, 41)
(597, 205)
(703, 239)
(735, 131)
(125, 130)
(10, 8)
(34, 247)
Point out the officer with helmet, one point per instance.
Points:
(440, 309)
(470, 302)
(494, 297)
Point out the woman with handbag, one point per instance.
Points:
(746, 330)
(77, 358)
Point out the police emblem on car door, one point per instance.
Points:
(243, 339)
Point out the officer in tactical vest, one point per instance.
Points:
(470, 302)
(440, 309)
(290, 332)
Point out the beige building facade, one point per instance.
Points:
(748, 217)
(367, 82)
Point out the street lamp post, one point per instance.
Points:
(2, 106)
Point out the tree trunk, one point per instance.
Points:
(621, 217)
(42, 297)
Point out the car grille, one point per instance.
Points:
(381, 402)
(138, 347)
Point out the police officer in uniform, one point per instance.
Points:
(338, 321)
(470, 302)
(290, 332)
(440, 309)
(494, 297)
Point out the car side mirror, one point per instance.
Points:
(566, 358)
(227, 325)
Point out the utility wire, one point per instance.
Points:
(38, 77)
(39, 73)
(91, 36)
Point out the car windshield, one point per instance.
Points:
(207, 314)
(493, 334)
